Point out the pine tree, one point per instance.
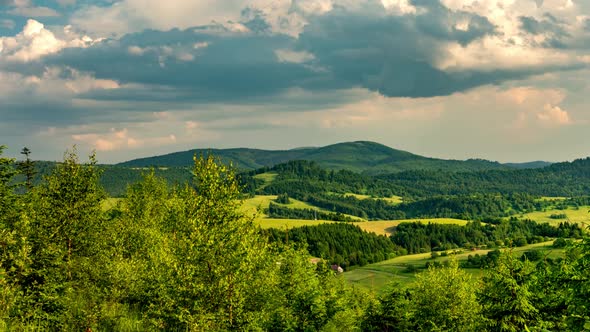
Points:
(27, 167)
(506, 295)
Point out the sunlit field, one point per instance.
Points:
(377, 276)
(580, 216)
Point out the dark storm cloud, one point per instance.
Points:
(440, 23)
(219, 67)
(42, 112)
(550, 27)
(394, 55)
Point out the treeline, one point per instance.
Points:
(283, 212)
(469, 207)
(513, 295)
(162, 259)
(115, 179)
(309, 182)
(418, 237)
(172, 259)
(562, 179)
(343, 244)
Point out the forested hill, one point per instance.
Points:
(361, 156)
(561, 179)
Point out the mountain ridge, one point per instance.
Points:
(360, 156)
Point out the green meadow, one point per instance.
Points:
(386, 227)
(377, 276)
(392, 199)
(574, 215)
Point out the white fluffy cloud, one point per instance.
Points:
(36, 41)
(511, 47)
(554, 116)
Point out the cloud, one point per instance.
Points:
(222, 67)
(326, 68)
(26, 8)
(120, 140)
(554, 116)
(129, 16)
(48, 99)
(398, 48)
(551, 31)
(35, 41)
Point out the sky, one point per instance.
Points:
(505, 80)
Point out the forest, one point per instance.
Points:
(185, 257)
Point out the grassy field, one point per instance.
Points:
(386, 227)
(393, 199)
(579, 216)
(268, 178)
(376, 276)
(288, 223)
(261, 202)
(256, 206)
(551, 199)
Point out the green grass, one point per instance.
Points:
(258, 203)
(386, 227)
(376, 276)
(579, 216)
(393, 199)
(268, 178)
(551, 198)
(287, 223)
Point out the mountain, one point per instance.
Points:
(360, 156)
(531, 164)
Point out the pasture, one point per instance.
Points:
(267, 178)
(385, 227)
(579, 216)
(377, 276)
(256, 206)
(393, 199)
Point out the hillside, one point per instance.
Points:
(360, 156)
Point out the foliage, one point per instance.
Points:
(343, 244)
(27, 168)
(507, 298)
(419, 237)
(444, 300)
(188, 258)
(281, 212)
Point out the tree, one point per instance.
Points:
(27, 168)
(283, 199)
(577, 280)
(444, 300)
(393, 312)
(216, 273)
(7, 197)
(506, 295)
(66, 226)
